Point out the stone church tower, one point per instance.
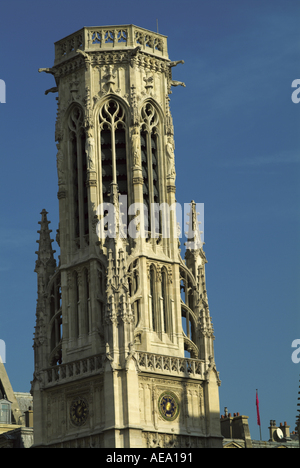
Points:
(123, 340)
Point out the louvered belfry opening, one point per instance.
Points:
(79, 175)
(149, 155)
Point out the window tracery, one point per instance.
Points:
(112, 128)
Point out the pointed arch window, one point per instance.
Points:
(77, 305)
(101, 299)
(164, 296)
(77, 140)
(187, 287)
(86, 293)
(55, 322)
(149, 154)
(153, 298)
(80, 322)
(113, 147)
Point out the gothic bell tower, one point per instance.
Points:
(123, 340)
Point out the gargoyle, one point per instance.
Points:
(133, 52)
(173, 64)
(86, 56)
(47, 70)
(52, 90)
(177, 83)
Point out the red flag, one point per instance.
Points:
(257, 409)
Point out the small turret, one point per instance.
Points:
(45, 266)
(45, 260)
(194, 233)
(195, 261)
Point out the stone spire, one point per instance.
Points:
(45, 253)
(195, 261)
(194, 233)
(118, 312)
(194, 255)
(45, 266)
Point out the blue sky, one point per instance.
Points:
(237, 138)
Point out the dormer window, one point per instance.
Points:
(5, 412)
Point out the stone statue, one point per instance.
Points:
(89, 149)
(136, 151)
(170, 159)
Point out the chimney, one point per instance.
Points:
(277, 434)
(225, 421)
(240, 429)
(235, 427)
(286, 430)
(29, 417)
(272, 429)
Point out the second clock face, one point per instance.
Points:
(168, 406)
(79, 411)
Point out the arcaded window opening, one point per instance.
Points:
(149, 156)
(112, 127)
(77, 139)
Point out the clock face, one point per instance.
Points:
(79, 411)
(168, 406)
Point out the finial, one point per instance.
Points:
(194, 233)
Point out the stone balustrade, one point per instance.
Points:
(147, 362)
(169, 365)
(106, 38)
(74, 370)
